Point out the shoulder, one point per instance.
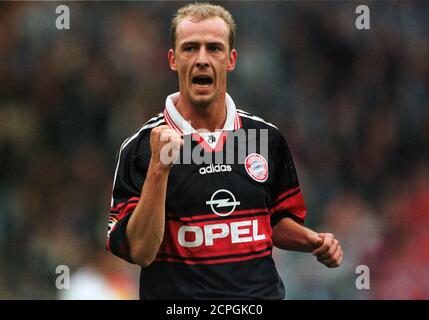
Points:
(276, 139)
(142, 134)
(251, 121)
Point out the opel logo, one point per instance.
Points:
(222, 199)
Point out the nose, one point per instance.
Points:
(202, 58)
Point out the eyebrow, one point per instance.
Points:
(195, 43)
(216, 43)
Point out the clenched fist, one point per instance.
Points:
(328, 250)
(165, 146)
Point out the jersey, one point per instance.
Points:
(219, 216)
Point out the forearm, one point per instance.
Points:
(290, 235)
(145, 229)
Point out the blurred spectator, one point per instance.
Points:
(102, 279)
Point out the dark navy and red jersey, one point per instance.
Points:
(219, 215)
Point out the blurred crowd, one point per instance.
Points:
(353, 106)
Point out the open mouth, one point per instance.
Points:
(202, 80)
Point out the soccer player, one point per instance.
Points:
(206, 229)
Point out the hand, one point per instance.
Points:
(328, 250)
(165, 146)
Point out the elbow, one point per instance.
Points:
(142, 260)
(142, 251)
(142, 256)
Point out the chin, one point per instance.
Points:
(202, 103)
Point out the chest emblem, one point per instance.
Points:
(257, 167)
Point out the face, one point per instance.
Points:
(202, 58)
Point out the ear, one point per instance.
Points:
(172, 60)
(232, 60)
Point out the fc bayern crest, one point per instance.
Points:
(257, 167)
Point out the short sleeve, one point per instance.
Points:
(130, 173)
(286, 197)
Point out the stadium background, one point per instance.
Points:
(352, 104)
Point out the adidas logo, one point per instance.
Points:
(215, 168)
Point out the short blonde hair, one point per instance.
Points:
(201, 11)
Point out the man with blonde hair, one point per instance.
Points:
(205, 230)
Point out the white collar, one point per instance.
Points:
(175, 120)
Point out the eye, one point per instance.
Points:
(189, 48)
(214, 48)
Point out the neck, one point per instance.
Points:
(211, 118)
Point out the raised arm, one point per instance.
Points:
(145, 229)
